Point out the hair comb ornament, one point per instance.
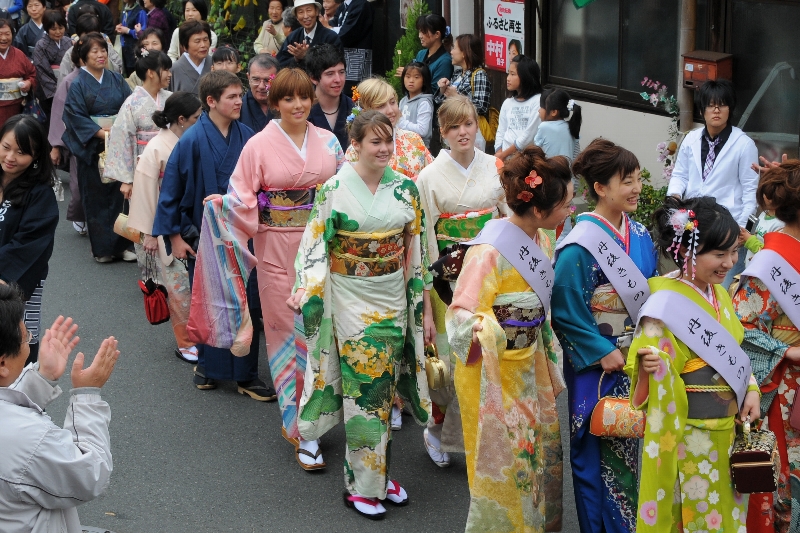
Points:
(533, 179)
(683, 220)
(525, 196)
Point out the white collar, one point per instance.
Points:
(312, 34)
(92, 75)
(198, 68)
(4, 56)
(348, 2)
(40, 26)
(463, 170)
(301, 151)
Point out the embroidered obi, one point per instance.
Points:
(609, 311)
(784, 331)
(521, 316)
(288, 208)
(708, 394)
(452, 228)
(366, 254)
(9, 89)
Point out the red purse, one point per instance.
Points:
(155, 296)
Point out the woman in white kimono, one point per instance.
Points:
(362, 273)
(181, 111)
(459, 191)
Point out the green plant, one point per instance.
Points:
(408, 46)
(650, 199)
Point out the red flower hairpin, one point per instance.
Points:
(525, 196)
(533, 179)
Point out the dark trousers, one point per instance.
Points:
(102, 202)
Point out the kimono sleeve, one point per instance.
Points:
(432, 213)
(243, 188)
(44, 72)
(77, 116)
(168, 220)
(653, 334)
(144, 198)
(311, 263)
(419, 239)
(340, 156)
(572, 318)
(121, 152)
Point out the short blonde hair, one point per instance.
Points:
(455, 111)
(374, 92)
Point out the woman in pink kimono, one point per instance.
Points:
(271, 193)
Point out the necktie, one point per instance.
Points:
(308, 40)
(712, 155)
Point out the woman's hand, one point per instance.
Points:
(766, 164)
(270, 27)
(428, 325)
(150, 244)
(127, 190)
(101, 133)
(323, 19)
(613, 362)
(25, 87)
(294, 300)
(750, 407)
(211, 197)
(180, 249)
(651, 361)
(793, 354)
(55, 155)
(442, 83)
(476, 327)
(450, 91)
(123, 29)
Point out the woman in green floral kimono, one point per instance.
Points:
(362, 272)
(685, 480)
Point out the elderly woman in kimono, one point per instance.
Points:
(460, 191)
(16, 71)
(195, 38)
(47, 56)
(95, 98)
(591, 310)
(409, 155)
(181, 111)
(88, 23)
(770, 316)
(362, 288)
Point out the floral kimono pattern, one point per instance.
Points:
(507, 398)
(363, 323)
(768, 334)
(132, 130)
(410, 154)
(685, 481)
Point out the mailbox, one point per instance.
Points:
(701, 65)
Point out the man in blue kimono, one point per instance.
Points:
(326, 67)
(255, 102)
(200, 165)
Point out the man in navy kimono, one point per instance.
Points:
(200, 165)
(326, 67)
(310, 34)
(255, 102)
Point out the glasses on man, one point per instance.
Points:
(255, 82)
(716, 107)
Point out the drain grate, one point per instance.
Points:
(89, 529)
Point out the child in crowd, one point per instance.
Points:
(559, 132)
(519, 116)
(417, 104)
(226, 58)
(767, 223)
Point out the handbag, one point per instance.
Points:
(436, 370)
(121, 227)
(754, 460)
(101, 162)
(155, 295)
(614, 417)
(33, 108)
(487, 124)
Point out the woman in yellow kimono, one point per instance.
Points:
(362, 275)
(460, 192)
(680, 370)
(507, 376)
(410, 155)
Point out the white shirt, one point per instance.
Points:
(302, 151)
(519, 122)
(198, 68)
(310, 35)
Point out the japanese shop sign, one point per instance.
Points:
(504, 27)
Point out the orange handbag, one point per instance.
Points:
(614, 417)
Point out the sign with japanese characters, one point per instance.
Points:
(504, 28)
(780, 278)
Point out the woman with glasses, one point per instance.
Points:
(715, 161)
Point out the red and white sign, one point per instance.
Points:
(504, 28)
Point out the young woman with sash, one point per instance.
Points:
(767, 304)
(690, 375)
(460, 192)
(507, 376)
(601, 269)
(362, 286)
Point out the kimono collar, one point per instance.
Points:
(464, 171)
(100, 81)
(198, 68)
(5, 56)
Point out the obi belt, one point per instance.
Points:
(361, 254)
(287, 208)
(461, 227)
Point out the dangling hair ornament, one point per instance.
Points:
(683, 220)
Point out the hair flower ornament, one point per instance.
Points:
(356, 108)
(525, 196)
(269, 81)
(144, 52)
(533, 179)
(683, 220)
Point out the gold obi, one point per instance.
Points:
(708, 394)
(784, 331)
(290, 208)
(367, 254)
(520, 325)
(609, 311)
(453, 228)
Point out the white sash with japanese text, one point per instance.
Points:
(782, 280)
(523, 254)
(703, 335)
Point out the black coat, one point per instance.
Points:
(106, 19)
(27, 234)
(356, 32)
(252, 115)
(322, 36)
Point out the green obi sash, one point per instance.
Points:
(461, 227)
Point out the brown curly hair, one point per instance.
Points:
(781, 187)
(555, 174)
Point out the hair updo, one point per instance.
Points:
(717, 229)
(601, 161)
(546, 196)
(781, 187)
(179, 104)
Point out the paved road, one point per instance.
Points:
(210, 461)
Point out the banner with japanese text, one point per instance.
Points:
(504, 25)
